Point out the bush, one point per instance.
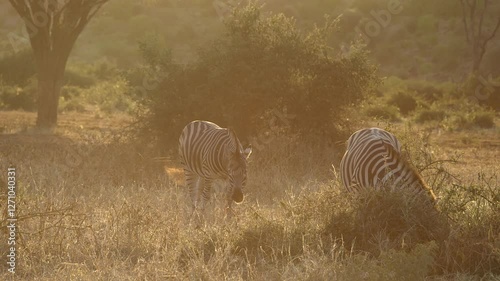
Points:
(484, 120)
(85, 75)
(79, 79)
(474, 207)
(71, 99)
(382, 111)
(17, 68)
(483, 90)
(259, 66)
(70, 105)
(370, 222)
(71, 92)
(473, 117)
(107, 96)
(393, 220)
(378, 225)
(430, 115)
(406, 102)
(14, 98)
(429, 91)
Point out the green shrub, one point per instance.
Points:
(382, 111)
(104, 70)
(483, 90)
(74, 78)
(393, 83)
(71, 99)
(17, 68)
(429, 91)
(74, 104)
(85, 75)
(14, 98)
(261, 64)
(475, 117)
(430, 115)
(110, 96)
(484, 120)
(404, 101)
(70, 92)
(107, 96)
(458, 121)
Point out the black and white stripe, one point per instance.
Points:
(209, 152)
(373, 160)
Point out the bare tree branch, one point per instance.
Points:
(464, 20)
(485, 42)
(473, 21)
(472, 7)
(493, 33)
(481, 17)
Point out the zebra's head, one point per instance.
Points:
(237, 167)
(414, 178)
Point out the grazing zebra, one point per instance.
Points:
(209, 152)
(373, 159)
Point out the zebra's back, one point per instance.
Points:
(201, 143)
(373, 158)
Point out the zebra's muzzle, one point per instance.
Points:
(237, 195)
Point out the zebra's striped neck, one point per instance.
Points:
(409, 173)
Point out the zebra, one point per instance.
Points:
(373, 159)
(209, 152)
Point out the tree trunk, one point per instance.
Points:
(50, 82)
(51, 65)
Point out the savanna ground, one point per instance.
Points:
(92, 206)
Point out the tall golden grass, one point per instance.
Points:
(94, 209)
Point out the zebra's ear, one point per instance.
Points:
(247, 151)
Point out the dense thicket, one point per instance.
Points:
(263, 73)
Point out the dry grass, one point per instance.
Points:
(93, 209)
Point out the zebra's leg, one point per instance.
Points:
(192, 182)
(229, 203)
(206, 192)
